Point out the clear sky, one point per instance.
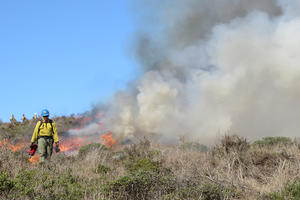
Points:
(63, 55)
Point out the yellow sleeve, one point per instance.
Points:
(55, 135)
(35, 132)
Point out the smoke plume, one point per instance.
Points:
(210, 67)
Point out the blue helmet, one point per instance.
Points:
(45, 113)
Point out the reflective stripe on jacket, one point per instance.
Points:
(45, 130)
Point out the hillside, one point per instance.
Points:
(93, 169)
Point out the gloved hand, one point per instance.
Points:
(57, 147)
(32, 143)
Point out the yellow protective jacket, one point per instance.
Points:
(45, 130)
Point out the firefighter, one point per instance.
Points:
(35, 116)
(45, 134)
(24, 118)
(13, 119)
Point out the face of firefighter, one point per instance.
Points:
(45, 119)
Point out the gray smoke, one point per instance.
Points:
(210, 67)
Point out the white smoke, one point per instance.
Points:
(217, 66)
(89, 130)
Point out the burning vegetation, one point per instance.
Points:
(13, 147)
(98, 167)
(69, 144)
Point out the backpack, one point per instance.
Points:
(41, 123)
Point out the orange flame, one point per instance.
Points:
(17, 146)
(108, 139)
(13, 147)
(34, 159)
(71, 144)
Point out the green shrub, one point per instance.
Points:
(185, 192)
(66, 186)
(101, 169)
(270, 141)
(34, 184)
(6, 184)
(211, 192)
(194, 146)
(206, 192)
(25, 183)
(147, 179)
(140, 185)
(144, 165)
(291, 191)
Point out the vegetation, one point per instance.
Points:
(271, 141)
(291, 191)
(231, 169)
(89, 147)
(194, 146)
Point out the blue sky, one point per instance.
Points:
(64, 55)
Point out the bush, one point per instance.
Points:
(64, 186)
(215, 192)
(101, 169)
(147, 179)
(34, 184)
(144, 165)
(141, 150)
(24, 183)
(231, 143)
(6, 184)
(271, 141)
(291, 191)
(194, 146)
(140, 185)
(206, 192)
(185, 192)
